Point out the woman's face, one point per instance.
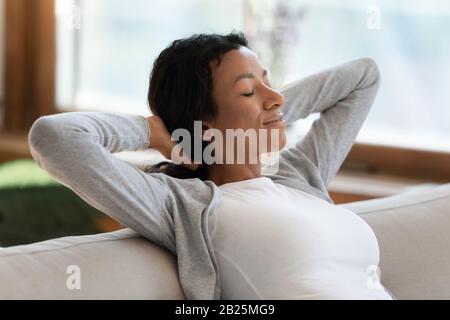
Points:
(245, 100)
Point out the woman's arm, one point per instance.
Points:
(76, 149)
(343, 95)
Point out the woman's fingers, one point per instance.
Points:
(160, 140)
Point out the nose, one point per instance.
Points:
(274, 99)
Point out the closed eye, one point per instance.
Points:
(249, 94)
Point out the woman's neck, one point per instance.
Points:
(225, 173)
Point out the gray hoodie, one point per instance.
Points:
(76, 149)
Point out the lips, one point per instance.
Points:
(274, 119)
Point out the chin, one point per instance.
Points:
(281, 141)
(278, 146)
(275, 147)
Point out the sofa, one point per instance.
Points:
(412, 228)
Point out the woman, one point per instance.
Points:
(237, 233)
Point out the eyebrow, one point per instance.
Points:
(248, 75)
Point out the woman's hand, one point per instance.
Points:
(161, 141)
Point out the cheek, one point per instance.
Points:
(241, 115)
(248, 116)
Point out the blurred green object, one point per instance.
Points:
(23, 173)
(34, 207)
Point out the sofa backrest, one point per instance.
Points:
(413, 232)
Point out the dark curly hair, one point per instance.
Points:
(181, 87)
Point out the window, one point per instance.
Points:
(105, 64)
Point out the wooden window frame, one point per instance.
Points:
(30, 58)
(425, 164)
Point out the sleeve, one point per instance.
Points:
(343, 95)
(76, 149)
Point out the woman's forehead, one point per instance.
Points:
(235, 63)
